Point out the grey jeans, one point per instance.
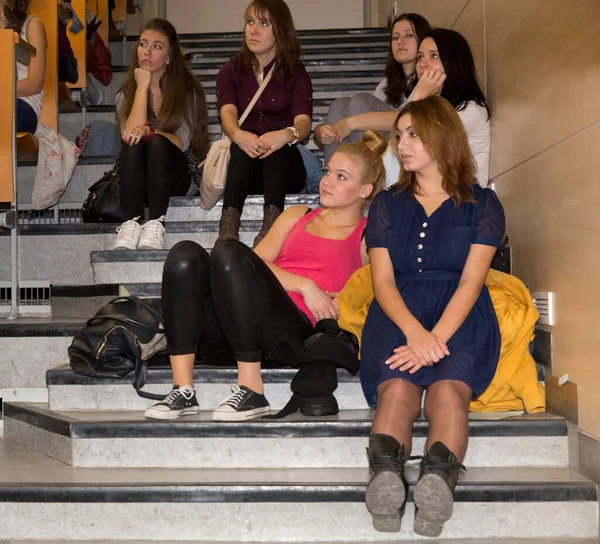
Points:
(348, 106)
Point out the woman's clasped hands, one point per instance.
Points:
(423, 348)
(260, 147)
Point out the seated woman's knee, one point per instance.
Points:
(227, 256)
(156, 145)
(400, 392)
(360, 103)
(447, 394)
(183, 259)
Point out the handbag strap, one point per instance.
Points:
(256, 96)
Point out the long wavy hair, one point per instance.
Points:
(461, 85)
(443, 135)
(15, 13)
(399, 85)
(288, 51)
(183, 95)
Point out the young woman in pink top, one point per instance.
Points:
(243, 304)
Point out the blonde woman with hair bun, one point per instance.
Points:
(245, 302)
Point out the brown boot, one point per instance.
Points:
(229, 225)
(270, 214)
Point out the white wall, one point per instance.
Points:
(195, 16)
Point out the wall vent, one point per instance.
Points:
(545, 304)
(34, 298)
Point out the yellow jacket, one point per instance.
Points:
(515, 385)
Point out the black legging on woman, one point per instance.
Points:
(152, 171)
(275, 176)
(230, 300)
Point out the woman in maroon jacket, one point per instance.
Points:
(264, 157)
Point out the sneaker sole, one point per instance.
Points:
(157, 248)
(172, 414)
(125, 248)
(435, 502)
(384, 497)
(241, 416)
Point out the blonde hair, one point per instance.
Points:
(368, 153)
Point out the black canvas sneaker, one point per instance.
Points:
(181, 401)
(242, 404)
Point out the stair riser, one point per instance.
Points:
(282, 522)
(59, 266)
(24, 360)
(344, 89)
(305, 452)
(123, 397)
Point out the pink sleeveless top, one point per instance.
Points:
(329, 263)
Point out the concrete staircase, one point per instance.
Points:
(78, 462)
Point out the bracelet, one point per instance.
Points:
(150, 130)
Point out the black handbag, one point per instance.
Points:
(103, 204)
(123, 337)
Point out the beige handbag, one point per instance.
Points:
(214, 175)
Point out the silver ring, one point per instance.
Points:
(320, 316)
(258, 149)
(433, 352)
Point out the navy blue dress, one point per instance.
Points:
(428, 255)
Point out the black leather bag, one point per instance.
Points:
(121, 338)
(103, 204)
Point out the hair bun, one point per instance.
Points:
(375, 142)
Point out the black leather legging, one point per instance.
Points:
(152, 171)
(229, 299)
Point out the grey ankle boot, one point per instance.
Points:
(434, 492)
(271, 213)
(388, 489)
(229, 225)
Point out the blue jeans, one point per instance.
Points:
(314, 170)
(26, 118)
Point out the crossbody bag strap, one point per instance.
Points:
(262, 87)
(256, 96)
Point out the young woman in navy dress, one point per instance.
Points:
(432, 326)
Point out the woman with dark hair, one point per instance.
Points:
(406, 33)
(445, 66)
(162, 112)
(264, 157)
(30, 78)
(432, 326)
(246, 303)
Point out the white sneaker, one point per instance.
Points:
(128, 234)
(153, 234)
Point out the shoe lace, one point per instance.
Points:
(236, 397)
(129, 228)
(154, 228)
(435, 463)
(175, 394)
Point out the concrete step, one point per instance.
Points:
(81, 240)
(438, 541)
(113, 439)
(330, 88)
(188, 208)
(43, 498)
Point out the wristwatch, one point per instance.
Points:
(296, 133)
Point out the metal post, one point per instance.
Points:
(14, 233)
(162, 9)
(367, 13)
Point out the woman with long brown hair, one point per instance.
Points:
(162, 112)
(30, 84)
(432, 326)
(406, 33)
(264, 157)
